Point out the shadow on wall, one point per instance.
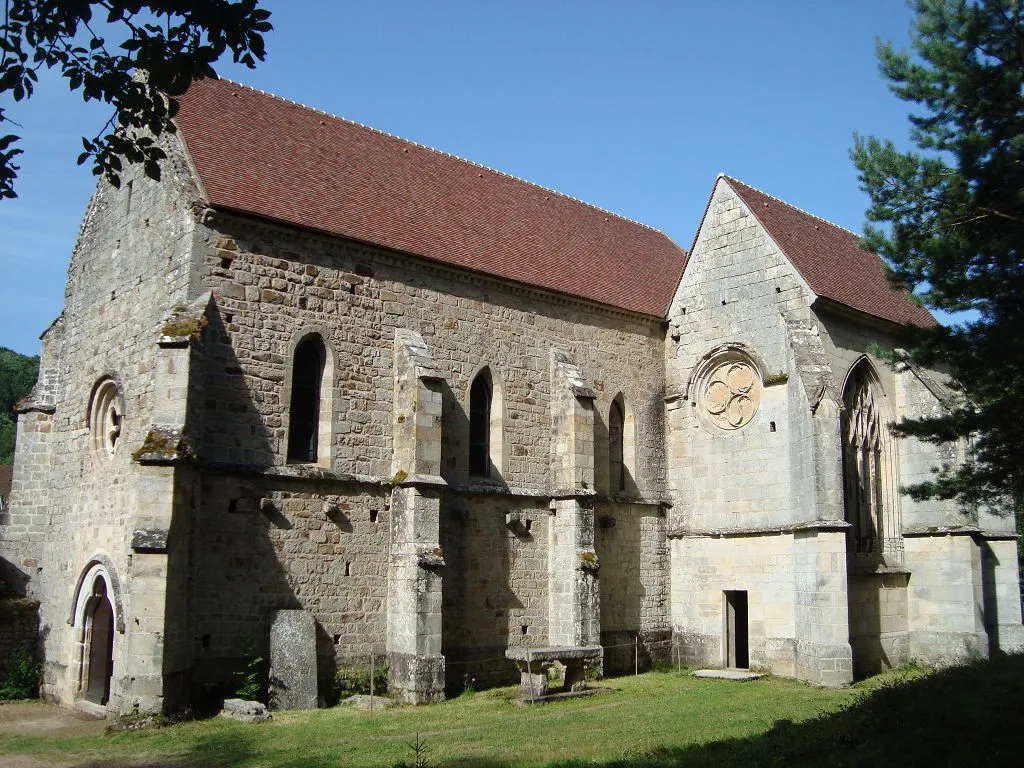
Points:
(262, 543)
(13, 581)
(478, 599)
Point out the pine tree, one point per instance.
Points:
(949, 220)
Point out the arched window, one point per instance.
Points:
(304, 410)
(106, 415)
(480, 397)
(616, 430)
(868, 465)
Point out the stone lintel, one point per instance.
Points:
(683, 532)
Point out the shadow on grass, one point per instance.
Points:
(972, 715)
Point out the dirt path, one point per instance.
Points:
(34, 718)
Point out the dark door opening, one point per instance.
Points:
(100, 648)
(737, 653)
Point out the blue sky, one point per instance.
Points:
(632, 107)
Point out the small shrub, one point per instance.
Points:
(419, 752)
(22, 680)
(250, 680)
(350, 680)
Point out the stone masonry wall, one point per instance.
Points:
(741, 300)
(738, 289)
(632, 549)
(273, 285)
(265, 543)
(129, 267)
(495, 589)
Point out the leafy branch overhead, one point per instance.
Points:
(127, 53)
(949, 220)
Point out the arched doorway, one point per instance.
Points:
(98, 656)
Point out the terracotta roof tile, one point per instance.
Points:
(831, 260)
(269, 157)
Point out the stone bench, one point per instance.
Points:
(534, 664)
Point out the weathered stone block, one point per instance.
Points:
(293, 678)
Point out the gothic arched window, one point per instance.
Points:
(868, 467)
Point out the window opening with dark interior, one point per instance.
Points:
(617, 469)
(480, 393)
(304, 411)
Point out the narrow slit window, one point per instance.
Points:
(616, 467)
(304, 410)
(480, 394)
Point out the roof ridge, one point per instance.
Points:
(445, 154)
(789, 205)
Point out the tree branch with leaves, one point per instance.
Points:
(948, 218)
(136, 56)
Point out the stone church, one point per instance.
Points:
(447, 413)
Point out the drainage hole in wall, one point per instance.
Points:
(771, 426)
(337, 639)
(523, 629)
(348, 569)
(373, 515)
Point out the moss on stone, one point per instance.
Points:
(163, 445)
(182, 327)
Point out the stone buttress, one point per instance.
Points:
(416, 668)
(573, 591)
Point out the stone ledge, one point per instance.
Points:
(945, 530)
(727, 674)
(682, 532)
(553, 653)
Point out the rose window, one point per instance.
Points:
(729, 392)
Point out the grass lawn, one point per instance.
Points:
(965, 716)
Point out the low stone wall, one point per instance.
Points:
(19, 628)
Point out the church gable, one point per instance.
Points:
(831, 260)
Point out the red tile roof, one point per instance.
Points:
(269, 157)
(831, 260)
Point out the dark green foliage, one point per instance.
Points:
(17, 377)
(949, 220)
(174, 43)
(250, 680)
(22, 681)
(353, 679)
